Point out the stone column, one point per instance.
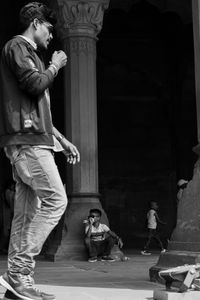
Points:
(184, 245)
(196, 30)
(79, 24)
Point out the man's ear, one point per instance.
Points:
(35, 23)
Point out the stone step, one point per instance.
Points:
(171, 295)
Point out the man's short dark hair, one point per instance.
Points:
(35, 10)
(95, 211)
(152, 204)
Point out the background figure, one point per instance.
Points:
(181, 184)
(30, 139)
(7, 210)
(152, 226)
(99, 239)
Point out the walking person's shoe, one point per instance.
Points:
(163, 251)
(145, 252)
(10, 296)
(92, 259)
(20, 285)
(46, 296)
(107, 258)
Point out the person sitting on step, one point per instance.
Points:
(99, 239)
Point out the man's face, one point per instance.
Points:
(43, 34)
(154, 205)
(95, 216)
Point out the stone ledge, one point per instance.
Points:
(171, 295)
(171, 259)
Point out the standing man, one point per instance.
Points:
(29, 139)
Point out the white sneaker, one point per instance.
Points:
(92, 259)
(163, 251)
(145, 252)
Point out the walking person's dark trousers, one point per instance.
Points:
(153, 234)
(99, 248)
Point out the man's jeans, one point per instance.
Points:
(40, 201)
(153, 234)
(99, 248)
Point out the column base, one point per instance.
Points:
(171, 259)
(69, 250)
(184, 246)
(72, 244)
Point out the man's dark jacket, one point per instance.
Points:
(25, 116)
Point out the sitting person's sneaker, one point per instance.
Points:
(10, 296)
(20, 285)
(107, 258)
(145, 252)
(92, 259)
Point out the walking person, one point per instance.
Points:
(29, 139)
(152, 222)
(182, 185)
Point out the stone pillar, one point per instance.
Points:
(79, 24)
(196, 30)
(184, 245)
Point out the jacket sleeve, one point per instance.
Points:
(30, 78)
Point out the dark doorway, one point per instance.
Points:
(146, 115)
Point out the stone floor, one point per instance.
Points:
(81, 280)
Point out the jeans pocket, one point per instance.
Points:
(22, 168)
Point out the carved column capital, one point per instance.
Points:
(81, 17)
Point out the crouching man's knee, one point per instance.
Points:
(111, 241)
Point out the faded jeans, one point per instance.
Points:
(99, 248)
(40, 201)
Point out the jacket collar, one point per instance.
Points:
(31, 42)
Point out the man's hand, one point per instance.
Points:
(70, 151)
(91, 220)
(59, 59)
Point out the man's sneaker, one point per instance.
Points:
(10, 296)
(46, 296)
(145, 252)
(21, 286)
(92, 259)
(163, 251)
(107, 258)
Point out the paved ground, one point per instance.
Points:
(80, 280)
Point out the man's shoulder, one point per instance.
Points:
(15, 41)
(103, 226)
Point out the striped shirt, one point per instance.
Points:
(98, 233)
